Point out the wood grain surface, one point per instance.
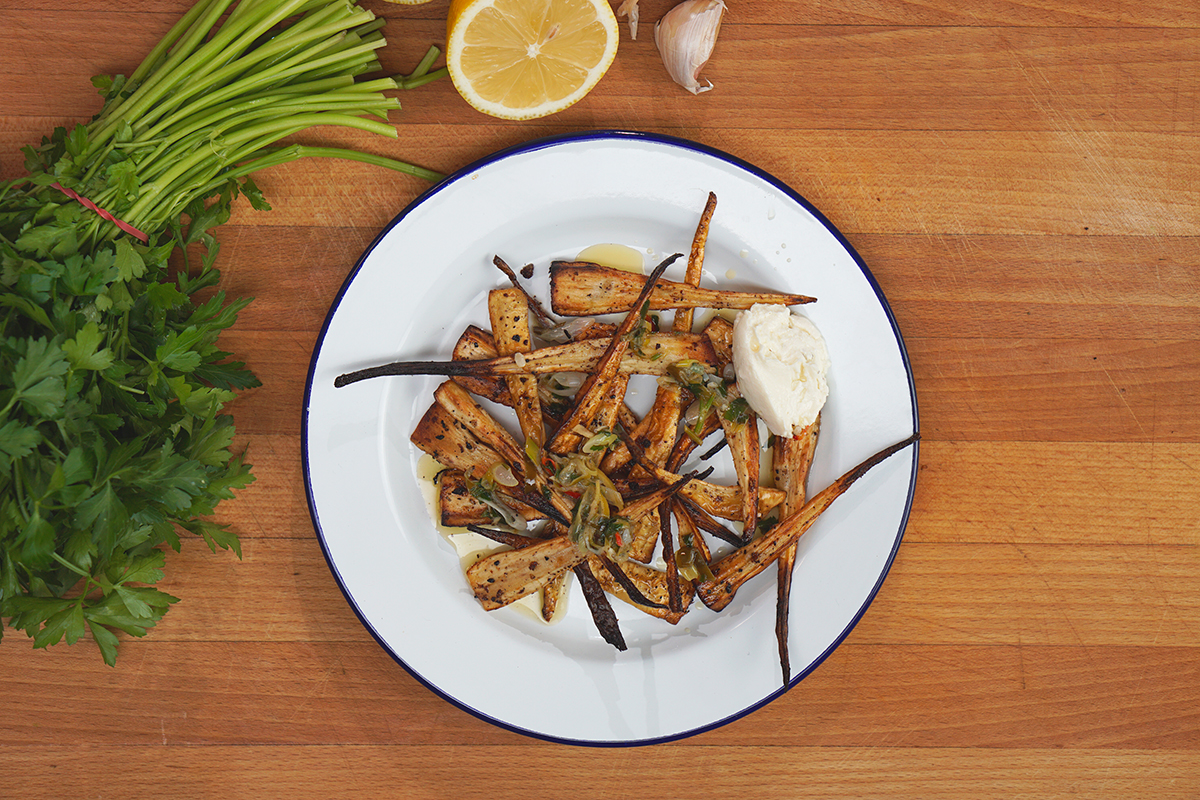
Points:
(1023, 180)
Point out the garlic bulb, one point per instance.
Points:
(685, 37)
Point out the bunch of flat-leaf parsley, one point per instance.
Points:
(112, 383)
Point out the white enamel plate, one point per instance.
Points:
(411, 296)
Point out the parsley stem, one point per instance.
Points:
(81, 573)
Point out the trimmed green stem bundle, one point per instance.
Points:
(212, 101)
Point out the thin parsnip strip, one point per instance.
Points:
(685, 317)
(645, 535)
(706, 522)
(742, 436)
(667, 537)
(690, 440)
(533, 304)
(645, 503)
(660, 352)
(685, 520)
(721, 500)
(580, 289)
(742, 564)
(792, 459)
(632, 592)
(503, 536)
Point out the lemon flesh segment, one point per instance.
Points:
(521, 59)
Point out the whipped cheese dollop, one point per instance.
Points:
(782, 364)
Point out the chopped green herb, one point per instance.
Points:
(738, 411)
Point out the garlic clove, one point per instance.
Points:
(686, 36)
(629, 8)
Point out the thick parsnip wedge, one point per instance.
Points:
(504, 577)
(459, 402)
(719, 332)
(509, 312)
(607, 409)
(792, 459)
(452, 444)
(476, 344)
(749, 560)
(580, 289)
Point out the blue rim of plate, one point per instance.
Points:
(555, 141)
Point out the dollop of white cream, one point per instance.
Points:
(782, 365)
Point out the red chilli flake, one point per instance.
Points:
(125, 226)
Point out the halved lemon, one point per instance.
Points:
(522, 59)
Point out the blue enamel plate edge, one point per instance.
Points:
(556, 141)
